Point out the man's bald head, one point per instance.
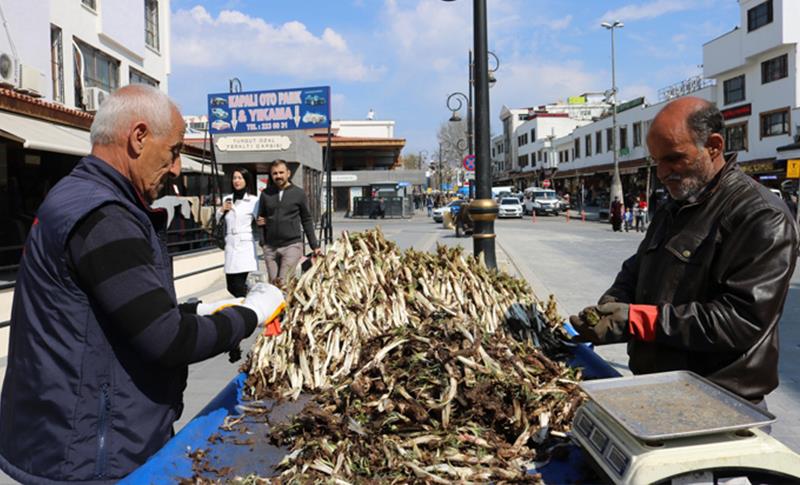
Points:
(129, 105)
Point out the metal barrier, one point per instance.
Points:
(385, 207)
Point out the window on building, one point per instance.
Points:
(637, 134)
(775, 123)
(57, 63)
(588, 145)
(90, 3)
(533, 134)
(142, 78)
(736, 137)
(609, 141)
(734, 89)
(523, 117)
(523, 160)
(598, 142)
(623, 137)
(577, 149)
(759, 16)
(99, 69)
(151, 23)
(774, 69)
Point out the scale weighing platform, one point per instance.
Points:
(678, 428)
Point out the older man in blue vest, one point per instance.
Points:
(99, 347)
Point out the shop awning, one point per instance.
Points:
(42, 135)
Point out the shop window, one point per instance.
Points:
(598, 142)
(609, 141)
(623, 137)
(734, 89)
(736, 138)
(759, 16)
(57, 63)
(775, 123)
(588, 145)
(637, 134)
(577, 149)
(774, 69)
(99, 69)
(137, 77)
(151, 23)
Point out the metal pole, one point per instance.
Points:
(329, 189)
(483, 209)
(441, 179)
(470, 127)
(616, 181)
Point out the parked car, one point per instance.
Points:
(509, 207)
(438, 213)
(541, 201)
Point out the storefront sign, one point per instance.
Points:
(283, 109)
(737, 111)
(792, 169)
(760, 167)
(253, 143)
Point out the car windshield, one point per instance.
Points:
(545, 194)
(509, 201)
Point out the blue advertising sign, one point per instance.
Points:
(276, 110)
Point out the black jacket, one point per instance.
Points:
(284, 217)
(719, 271)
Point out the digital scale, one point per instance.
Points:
(678, 428)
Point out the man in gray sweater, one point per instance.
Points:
(282, 209)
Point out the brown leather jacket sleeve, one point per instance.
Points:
(759, 263)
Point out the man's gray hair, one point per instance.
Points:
(131, 103)
(704, 122)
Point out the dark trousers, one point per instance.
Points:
(236, 284)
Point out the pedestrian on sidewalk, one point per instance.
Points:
(429, 204)
(616, 214)
(628, 219)
(284, 215)
(239, 209)
(640, 214)
(707, 287)
(99, 347)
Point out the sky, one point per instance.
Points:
(401, 58)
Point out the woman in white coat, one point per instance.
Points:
(239, 209)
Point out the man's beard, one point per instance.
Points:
(688, 187)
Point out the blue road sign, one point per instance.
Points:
(276, 110)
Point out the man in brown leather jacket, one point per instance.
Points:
(705, 290)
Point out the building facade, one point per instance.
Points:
(58, 60)
(750, 73)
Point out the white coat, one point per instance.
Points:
(240, 242)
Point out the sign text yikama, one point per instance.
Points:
(276, 110)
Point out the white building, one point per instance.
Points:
(527, 142)
(750, 73)
(72, 52)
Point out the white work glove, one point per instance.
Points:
(206, 309)
(266, 300)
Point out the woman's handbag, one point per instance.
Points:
(218, 231)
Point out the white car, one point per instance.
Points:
(314, 118)
(541, 201)
(438, 213)
(509, 207)
(220, 125)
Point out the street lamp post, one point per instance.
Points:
(483, 210)
(470, 106)
(616, 181)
